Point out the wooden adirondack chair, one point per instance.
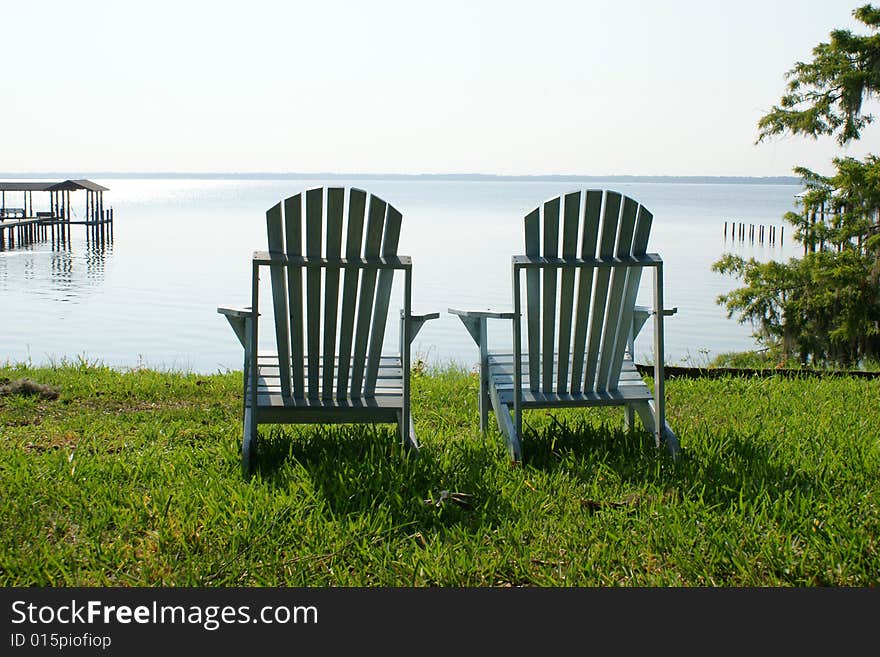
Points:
(581, 318)
(330, 304)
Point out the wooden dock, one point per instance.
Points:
(22, 225)
(28, 230)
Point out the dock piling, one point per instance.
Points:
(760, 233)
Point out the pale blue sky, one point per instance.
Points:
(547, 87)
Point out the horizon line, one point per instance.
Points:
(270, 175)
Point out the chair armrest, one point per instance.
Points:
(482, 314)
(238, 320)
(640, 317)
(415, 324)
(244, 312)
(475, 322)
(422, 318)
(667, 312)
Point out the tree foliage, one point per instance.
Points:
(825, 96)
(824, 307)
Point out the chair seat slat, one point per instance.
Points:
(623, 395)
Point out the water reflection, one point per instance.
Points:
(99, 247)
(59, 267)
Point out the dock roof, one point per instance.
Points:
(50, 186)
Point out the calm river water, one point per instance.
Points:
(181, 247)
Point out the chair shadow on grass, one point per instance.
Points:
(737, 465)
(358, 468)
(361, 468)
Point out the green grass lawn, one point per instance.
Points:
(133, 479)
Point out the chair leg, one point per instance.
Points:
(512, 431)
(511, 435)
(516, 446)
(408, 438)
(671, 441)
(667, 436)
(628, 417)
(485, 402)
(248, 442)
(646, 414)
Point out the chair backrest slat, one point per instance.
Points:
(372, 244)
(275, 238)
(571, 209)
(330, 322)
(579, 319)
(357, 204)
(314, 229)
(589, 239)
(614, 302)
(633, 277)
(610, 215)
(293, 242)
(533, 298)
(335, 207)
(550, 249)
(390, 237)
